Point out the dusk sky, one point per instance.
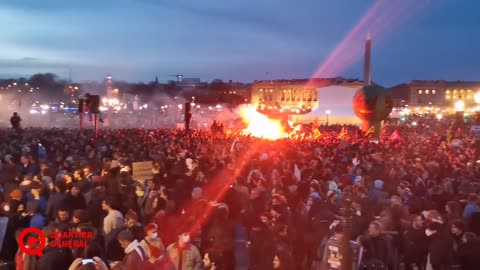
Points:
(135, 40)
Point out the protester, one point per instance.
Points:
(284, 194)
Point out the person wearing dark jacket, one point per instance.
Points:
(415, 244)
(221, 234)
(469, 252)
(379, 246)
(458, 230)
(439, 247)
(27, 167)
(56, 199)
(53, 258)
(75, 200)
(15, 122)
(82, 182)
(134, 253)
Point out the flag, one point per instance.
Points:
(395, 136)
(370, 131)
(342, 133)
(316, 133)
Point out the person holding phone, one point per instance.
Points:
(94, 263)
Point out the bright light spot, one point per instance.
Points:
(439, 116)
(459, 106)
(328, 112)
(44, 112)
(218, 106)
(260, 126)
(33, 112)
(45, 107)
(414, 123)
(193, 104)
(146, 106)
(103, 109)
(180, 106)
(113, 101)
(477, 97)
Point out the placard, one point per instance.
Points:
(142, 170)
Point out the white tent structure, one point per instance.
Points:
(335, 103)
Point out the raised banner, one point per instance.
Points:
(142, 170)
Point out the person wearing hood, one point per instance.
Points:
(135, 255)
(376, 195)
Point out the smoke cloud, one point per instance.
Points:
(157, 111)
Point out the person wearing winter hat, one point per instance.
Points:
(14, 205)
(152, 244)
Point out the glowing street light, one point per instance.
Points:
(459, 106)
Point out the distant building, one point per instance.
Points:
(189, 82)
(239, 89)
(436, 93)
(294, 93)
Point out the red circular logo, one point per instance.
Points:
(34, 245)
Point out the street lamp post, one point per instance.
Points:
(328, 112)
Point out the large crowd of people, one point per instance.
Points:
(414, 199)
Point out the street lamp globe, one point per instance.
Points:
(328, 112)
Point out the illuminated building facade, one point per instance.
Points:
(293, 93)
(442, 93)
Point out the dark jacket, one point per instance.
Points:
(134, 259)
(415, 246)
(439, 249)
(74, 203)
(54, 259)
(55, 202)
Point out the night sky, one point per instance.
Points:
(247, 40)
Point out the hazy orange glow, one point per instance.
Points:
(260, 126)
